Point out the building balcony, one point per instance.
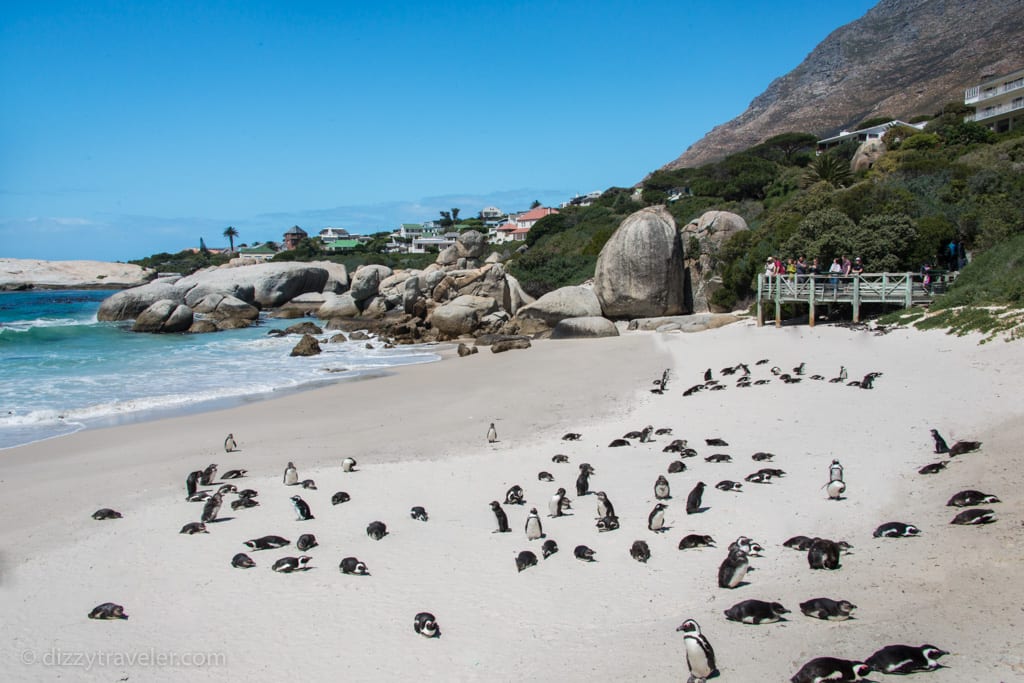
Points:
(997, 110)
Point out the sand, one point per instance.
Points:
(419, 438)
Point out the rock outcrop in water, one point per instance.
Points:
(20, 274)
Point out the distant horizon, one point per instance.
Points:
(133, 130)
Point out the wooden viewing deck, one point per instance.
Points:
(900, 289)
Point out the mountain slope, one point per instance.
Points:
(903, 58)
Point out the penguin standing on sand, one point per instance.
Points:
(192, 482)
(229, 444)
(733, 569)
(583, 481)
(556, 503)
(662, 491)
(604, 506)
(502, 518)
(208, 475)
(693, 500)
(940, 443)
(534, 529)
(835, 471)
(700, 656)
(656, 520)
(291, 475)
(836, 488)
(492, 434)
(302, 510)
(211, 508)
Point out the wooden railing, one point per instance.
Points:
(901, 289)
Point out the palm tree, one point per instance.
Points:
(831, 169)
(231, 234)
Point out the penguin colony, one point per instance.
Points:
(822, 553)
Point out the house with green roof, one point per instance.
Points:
(342, 246)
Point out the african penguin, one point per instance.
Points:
(896, 530)
(419, 513)
(835, 488)
(352, 565)
(492, 434)
(266, 543)
(940, 443)
(733, 569)
(823, 554)
(828, 609)
(549, 548)
(501, 517)
(693, 500)
(604, 506)
(656, 519)
(610, 523)
(305, 542)
(571, 436)
(376, 530)
(662, 491)
(533, 528)
(835, 471)
(905, 659)
(545, 476)
(584, 553)
(211, 508)
(425, 624)
(970, 497)
(242, 561)
(208, 475)
(302, 511)
(340, 497)
(515, 495)
(831, 670)
(286, 565)
(192, 482)
(229, 444)
(555, 505)
(106, 513)
(700, 656)
(234, 474)
(756, 612)
(961, 447)
(291, 475)
(108, 610)
(640, 551)
(696, 541)
(525, 560)
(348, 465)
(975, 516)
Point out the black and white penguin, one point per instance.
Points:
(675, 447)
(940, 443)
(975, 516)
(192, 483)
(229, 444)
(515, 495)
(761, 456)
(352, 565)
(194, 528)
(970, 497)
(932, 468)
(905, 659)
(305, 542)
(663, 431)
(492, 434)
(799, 542)
(772, 472)
(234, 474)
(525, 560)
(835, 488)
(286, 565)
(961, 447)
(676, 466)
(555, 505)
(242, 561)
(700, 656)
(656, 519)
(693, 390)
(635, 434)
(545, 476)
(645, 435)
(896, 530)
(226, 489)
(828, 609)
(212, 508)
(572, 436)
(610, 523)
(199, 497)
(302, 511)
(758, 478)
(729, 485)
(716, 442)
(308, 484)
(266, 543)
(419, 513)
(425, 624)
(583, 480)
(604, 506)
(662, 491)
(696, 541)
(376, 530)
(823, 554)
(719, 457)
(799, 370)
(618, 443)
(244, 502)
(108, 610)
(106, 513)
(291, 475)
(584, 553)
(707, 375)
(835, 471)
(756, 612)
(348, 465)
(499, 514)
(340, 497)
(640, 551)
(208, 475)
(693, 500)
(560, 458)
(549, 548)
(248, 493)
(534, 529)
(749, 546)
(831, 670)
(733, 569)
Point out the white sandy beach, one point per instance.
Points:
(418, 436)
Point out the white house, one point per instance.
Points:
(998, 102)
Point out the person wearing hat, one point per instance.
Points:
(769, 267)
(858, 267)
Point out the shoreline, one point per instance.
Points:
(418, 437)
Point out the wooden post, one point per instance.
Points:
(760, 308)
(885, 287)
(856, 298)
(810, 300)
(778, 301)
(908, 301)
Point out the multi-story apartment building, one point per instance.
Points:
(998, 102)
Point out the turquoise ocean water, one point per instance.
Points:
(62, 371)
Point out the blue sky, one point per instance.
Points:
(130, 128)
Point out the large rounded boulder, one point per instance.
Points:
(266, 285)
(704, 238)
(462, 315)
(164, 316)
(129, 303)
(580, 328)
(366, 281)
(550, 309)
(640, 269)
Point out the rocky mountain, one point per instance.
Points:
(901, 59)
